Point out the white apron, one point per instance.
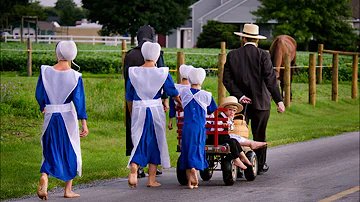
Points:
(203, 98)
(179, 87)
(58, 86)
(147, 82)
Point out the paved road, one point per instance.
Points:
(307, 171)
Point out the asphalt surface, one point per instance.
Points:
(307, 171)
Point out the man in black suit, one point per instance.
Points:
(249, 76)
(134, 58)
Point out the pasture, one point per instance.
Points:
(104, 149)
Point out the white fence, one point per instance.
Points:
(107, 40)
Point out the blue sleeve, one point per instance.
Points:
(169, 87)
(129, 96)
(40, 93)
(212, 107)
(79, 100)
(172, 111)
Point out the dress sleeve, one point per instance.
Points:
(79, 100)
(169, 87)
(212, 107)
(40, 93)
(172, 111)
(129, 96)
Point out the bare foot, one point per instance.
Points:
(193, 178)
(153, 184)
(42, 189)
(239, 164)
(257, 145)
(132, 180)
(71, 195)
(244, 159)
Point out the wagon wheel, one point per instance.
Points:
(251, 172)
(207, 173)
(181, 174)
(229, 171)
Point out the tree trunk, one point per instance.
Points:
(306, 44)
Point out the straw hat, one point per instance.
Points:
(250, 31)
(150, 51)
(197, 75)
(231, 100)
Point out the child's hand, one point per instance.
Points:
(166, 106)
(84, 129)
(43, 111)
(226, 125)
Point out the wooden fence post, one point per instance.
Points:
(123, 54)
(355, 71)
(180, 61)
(287, 81)
(312, 79)
(223, 47)
(335, 77)
(221, 87)
(320, 63)
(29, 59)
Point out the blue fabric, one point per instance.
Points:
(59, 156)
(194, 135)
(147, 151)
(168, 87)
(172, 111)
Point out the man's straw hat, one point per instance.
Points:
(231, 100)
(250, 31)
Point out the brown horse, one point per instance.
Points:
(283, 44)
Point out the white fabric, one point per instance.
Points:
(66, 50)
(184, 71)
(250, 43)
(179, 88)
(150, 51)
(203, 98)
(197, 76)
(58, 86)
(231, 128)
(151, 85)
(155, 78)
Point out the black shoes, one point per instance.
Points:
(263, 170)
(142, 174)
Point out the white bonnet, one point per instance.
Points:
(184, 71)
(66, 50)
(150, 51)
(197, 75)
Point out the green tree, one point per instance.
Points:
(123, 16)
(215, 32)
(68, 12)
(325, 20)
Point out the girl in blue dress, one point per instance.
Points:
(148, 122)
(60, 94)
(197, 104)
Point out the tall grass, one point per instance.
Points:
(104, 149)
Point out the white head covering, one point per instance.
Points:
(66, 50)
(184, 71)
(197, 75)
(150, 51)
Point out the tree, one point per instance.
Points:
(325, 20)
(215, 32)
(123, 16)
(68, 12)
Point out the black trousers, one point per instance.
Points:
(259, 120)
(234, 145)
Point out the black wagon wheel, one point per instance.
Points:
(207, 173)
(229, 170)
(181, 174)
(251, 172)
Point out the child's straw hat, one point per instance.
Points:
(231, 100)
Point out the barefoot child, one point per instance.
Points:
(148, 121)
(184, 72)
(234, 107)
(197, 104)
(60, 94)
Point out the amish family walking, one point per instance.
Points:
(248, 77)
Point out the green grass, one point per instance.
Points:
(104, 149)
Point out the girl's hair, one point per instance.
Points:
(231, 106)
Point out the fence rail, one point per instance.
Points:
(107, 40)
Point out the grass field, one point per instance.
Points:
(104, 149)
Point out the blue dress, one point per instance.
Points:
(194, 135)
(59, 156)
(147, 150)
